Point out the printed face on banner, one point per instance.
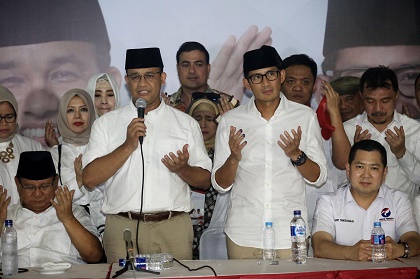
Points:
(38, 75)
(404, 60)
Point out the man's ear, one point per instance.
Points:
(385, 174)
(246, 84)
(162, 78)
(116, 74)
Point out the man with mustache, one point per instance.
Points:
(399, 134)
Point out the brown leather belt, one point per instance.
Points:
(151, 217)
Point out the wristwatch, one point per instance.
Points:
(301, 159)
(407, 249)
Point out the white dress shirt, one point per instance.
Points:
(8, 172)
(168, 130)
(267, 187)
(42, 237)
(82, 196)
(416, 206)
(339, 215)
(404, 173)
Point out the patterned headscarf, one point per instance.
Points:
(91, 87)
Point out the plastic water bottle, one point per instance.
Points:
(269, 242)
(378, 243)
(9, 249)
(298, 235)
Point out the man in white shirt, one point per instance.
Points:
(298, 86)
(399, 134)
(344, 220)
(49, 228)
(266, 170)
(153, 201)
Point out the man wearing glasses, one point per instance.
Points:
(146, 185)
(265, 152)
(49, 227)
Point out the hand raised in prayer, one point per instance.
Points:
(78, 169)
(236, 143)
(63, 205)
(290, 143)
(175, 163)
(4, 203)
(396, 141)
(359, 135)
(50, 135)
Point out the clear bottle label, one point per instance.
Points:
(377, 239)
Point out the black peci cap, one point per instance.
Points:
(143, 58)
(35, 165)
(264, 57)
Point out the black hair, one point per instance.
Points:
(190, 46)
(368, 145)
(301, 60)
(379, 77)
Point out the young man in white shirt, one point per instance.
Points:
(344, 220)
(266, 170)
(154, 203)
(49, 227)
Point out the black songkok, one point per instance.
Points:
(35, 165)
(143, 58)
(264, 57)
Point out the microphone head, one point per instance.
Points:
(141, 103)
(127, 235)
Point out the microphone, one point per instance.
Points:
(129, 245)
(140, 105)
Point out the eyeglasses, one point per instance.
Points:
(147, 76)
(32, 188)
(258, 78)
(406, 77)
(9, 118)
(214, 97)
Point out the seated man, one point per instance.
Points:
(48, 229)
(343, 220)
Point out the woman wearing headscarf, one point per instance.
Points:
(11, 144)
(75, 118)
(205, 112)
(103, 90)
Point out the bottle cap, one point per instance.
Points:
(8, 223)
(377, 224)
(268, 224)
(296, 212)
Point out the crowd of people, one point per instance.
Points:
(347, 162)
